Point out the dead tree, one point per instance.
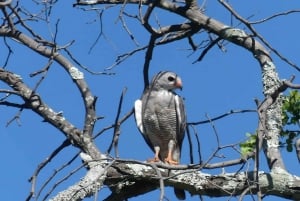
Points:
(126, 177)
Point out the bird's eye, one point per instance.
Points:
(171, 79)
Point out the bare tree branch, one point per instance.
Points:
(33, 178)
(117, 126)
(75, 74)
(148, 58)
(5, 3)
(127, 178)
(202, 183)
(52, 176)
(251, 28)
(274, 16)
(231, 112)
(33, 101)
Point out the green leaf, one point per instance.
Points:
(290, 119)
(249, 145)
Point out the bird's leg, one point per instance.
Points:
(156, 158)
(169, 159)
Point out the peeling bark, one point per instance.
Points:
(86, 187)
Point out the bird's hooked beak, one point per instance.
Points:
(178, 83)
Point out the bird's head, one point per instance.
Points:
(167, 80)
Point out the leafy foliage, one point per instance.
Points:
(290, 118)
(249, 145)
(290, 122)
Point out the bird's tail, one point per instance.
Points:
(180, 194)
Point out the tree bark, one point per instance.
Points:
(125, 179)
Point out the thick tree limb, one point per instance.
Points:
(121, 177)
(34, 102)
(5, 3)
(77, 76)
(89, 184)
(125, 178)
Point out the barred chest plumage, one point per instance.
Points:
(160, 119)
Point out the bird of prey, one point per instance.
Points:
(161, 118)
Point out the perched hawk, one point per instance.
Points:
(161, 118)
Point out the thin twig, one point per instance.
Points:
(161, 181)
(145, 19)
(33, 178)
(190, 144)
(255, 33)
(249, 188)
(9, 19)
(124, 25)
(16, 105)
(44, 71)
(289, 84)
(205, 51)
(274, 16)
(10, 52)
(222, 116)
(16, 118)
(56, 171)
(8, 93)
(167, 33)
(198, 143)
(84, 67)
(23, 24)
(117, 124)
(148, 58)
(100, 33)
(214, 129)
(126, 116)
(121, 58)
(64, 178)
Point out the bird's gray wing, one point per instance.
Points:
(138, 114)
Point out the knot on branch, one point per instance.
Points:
(230, 33)
(76, 74)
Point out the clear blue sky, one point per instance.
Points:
(223, 81)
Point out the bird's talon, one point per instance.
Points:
(153, 160)
(171, 161)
